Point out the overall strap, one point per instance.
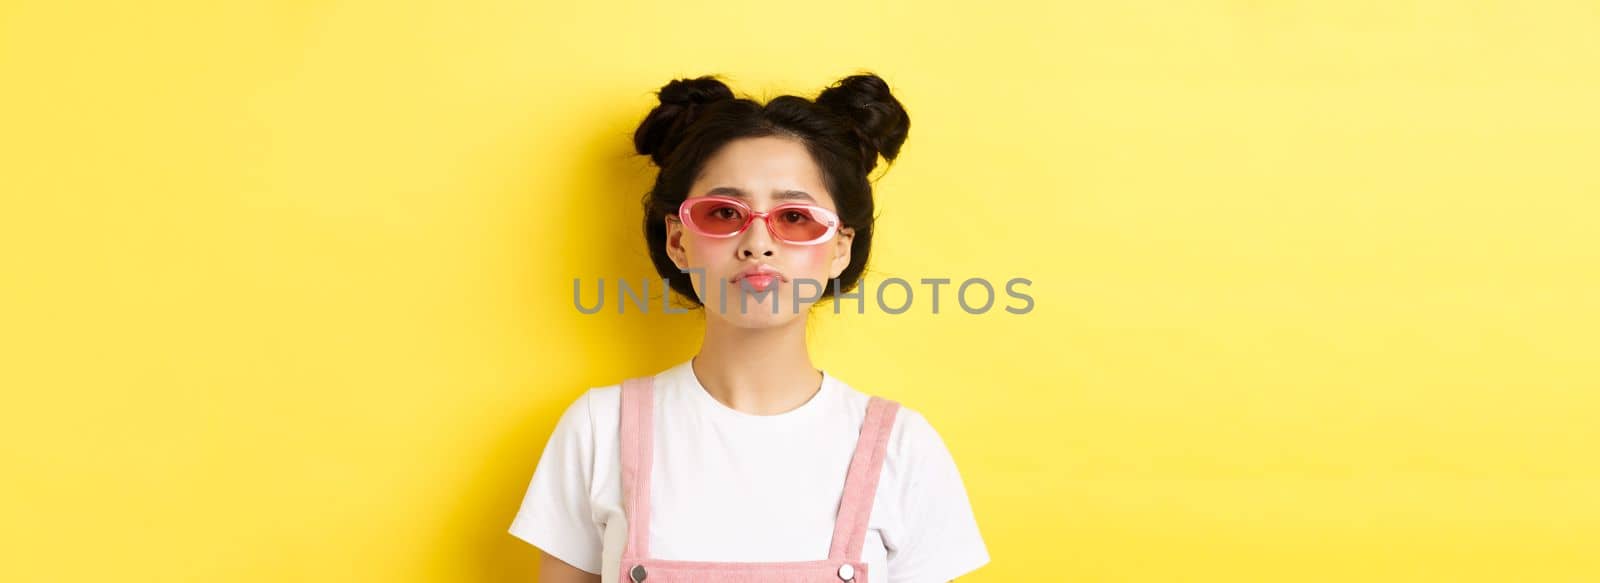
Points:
(861, 483)
(636, 441)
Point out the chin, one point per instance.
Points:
(758, 321)
(757, 314)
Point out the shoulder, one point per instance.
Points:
(604, 398)
(911, 436)
(601, 409)
(585, 416)
(929, 527)
(598, 407)
(605, 401)
(914, 443)
(912, 430)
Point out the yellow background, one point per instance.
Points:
(286, 288)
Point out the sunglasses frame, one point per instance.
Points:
(750, 216)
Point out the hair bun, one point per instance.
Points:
(880, 122)
(697, 91)
(681, 102)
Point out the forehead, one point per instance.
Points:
(763, 169)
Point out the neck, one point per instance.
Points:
(760, 371)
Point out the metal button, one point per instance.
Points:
(847, 572)
(637, 574)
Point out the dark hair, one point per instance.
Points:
(845, 129)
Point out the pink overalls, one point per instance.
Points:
(850, 526)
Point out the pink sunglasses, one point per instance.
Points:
(722, 216)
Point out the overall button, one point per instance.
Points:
(847, 572)
(637, 574)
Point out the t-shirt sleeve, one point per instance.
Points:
(556, 513)
(940, 539)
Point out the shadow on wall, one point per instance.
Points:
(604, 348)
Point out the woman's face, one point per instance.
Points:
(763, 172)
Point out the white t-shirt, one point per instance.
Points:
(731, 486)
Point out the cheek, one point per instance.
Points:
(815, 259)
(698, 248)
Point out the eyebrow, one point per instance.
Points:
(777, 194)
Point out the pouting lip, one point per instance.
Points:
(758, 270)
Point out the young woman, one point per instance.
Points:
(745, 462)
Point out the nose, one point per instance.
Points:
(756, 240)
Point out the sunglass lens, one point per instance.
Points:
(801, 224)
(716, 217)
